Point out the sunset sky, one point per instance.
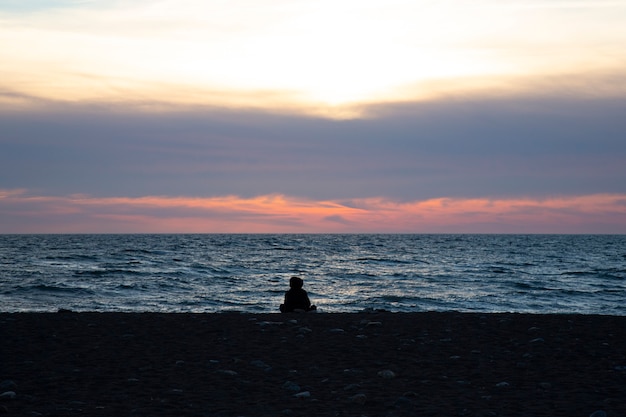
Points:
(301, 116)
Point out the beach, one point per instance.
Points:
(326, 364)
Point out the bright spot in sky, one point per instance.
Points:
(298, 53)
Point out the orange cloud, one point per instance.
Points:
(24, 213)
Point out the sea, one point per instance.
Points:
(249, 273)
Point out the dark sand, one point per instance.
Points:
(379, 364)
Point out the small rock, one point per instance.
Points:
(269, 323)
(502, 384)
(303, 330)
(8, 395)
(303, 394)
(545, 386)
(373, 324)
(227, 372)
(336, 330)
(599, 413)
(261, 364)
(291, 386)
(359, 398)
(537, 340)
(387, 374)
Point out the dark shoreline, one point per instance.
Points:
(330, 364)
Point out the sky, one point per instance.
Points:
(301, 116)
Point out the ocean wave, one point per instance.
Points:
(52, 288)
(106, 272)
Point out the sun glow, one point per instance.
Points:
(286, 53)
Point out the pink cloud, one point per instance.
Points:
(22, 212)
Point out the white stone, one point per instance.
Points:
(227, 372)
(8, 395)
(387, 374)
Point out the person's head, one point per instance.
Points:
(296, 283)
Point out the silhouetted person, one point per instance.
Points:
(296, 299)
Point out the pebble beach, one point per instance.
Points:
(327, 364)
